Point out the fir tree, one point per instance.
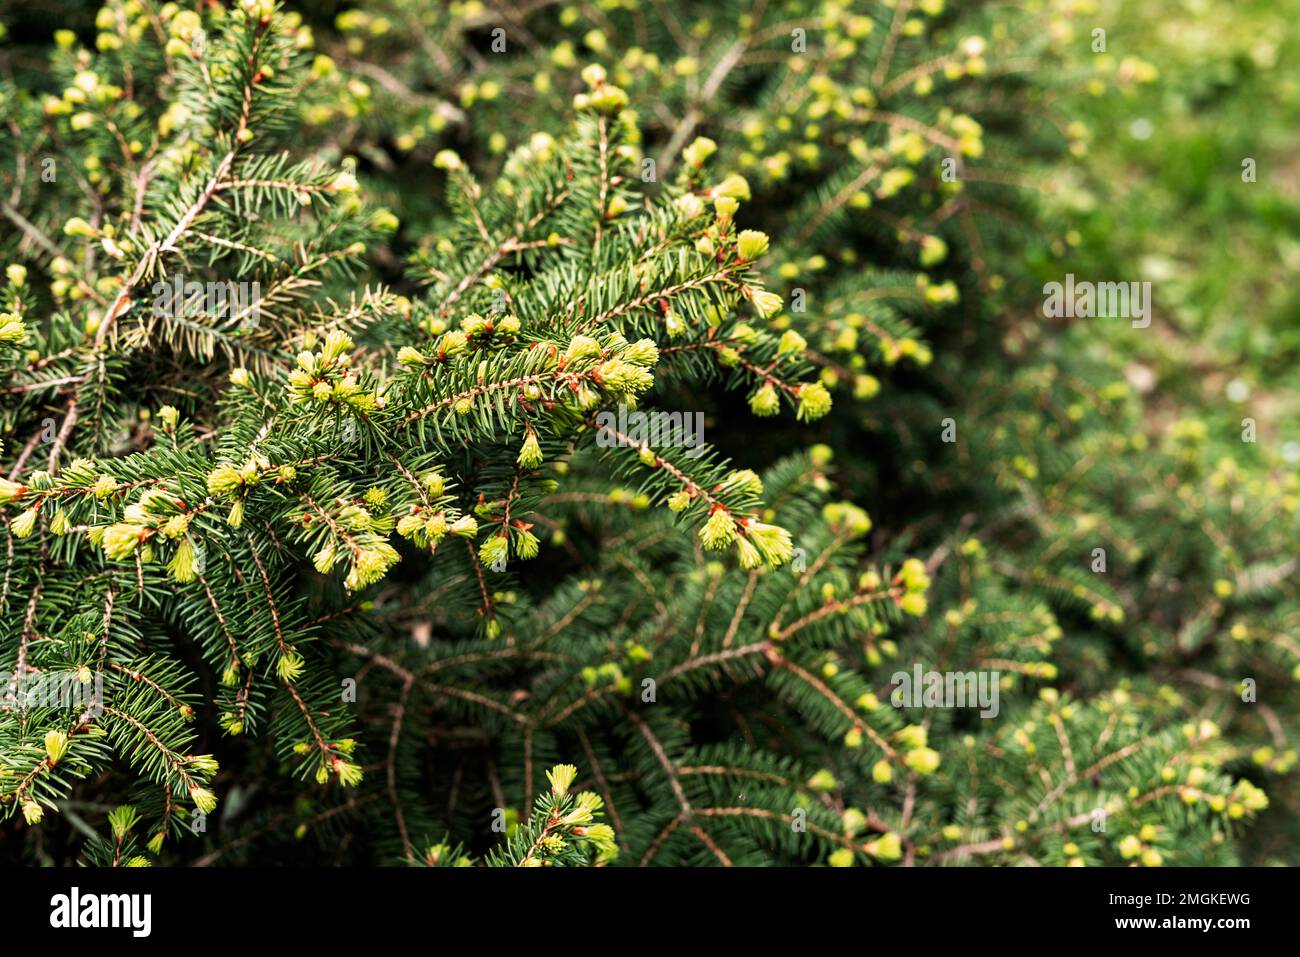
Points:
(388, 549)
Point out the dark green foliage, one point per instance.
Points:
(388, 571)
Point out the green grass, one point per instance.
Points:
(1172, 207)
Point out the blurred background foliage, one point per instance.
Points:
(1117, 165)
(1156, 190)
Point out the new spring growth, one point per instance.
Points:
(751, 244)
(583, 811)
(324, 377)
(602, 837)
(698, 152)
(370, 563)
(760, 543)
(157, 515)
(915, 581)
(204, 762)
(620, 369)
(362, 538)
(121, 819)
(841, 858)
(120, 541)
(756, 543)
(25, 523)
(60, 523)
(260, 10)
(766, 304)
(604, 98)
(823, 780)
(183, 566)
(719, 530)
(561, 777)
(887, 847)
(465, 527)
(426, 525)
(741, 481)
(765, 402)
(11, 492)
(495, 549)
(530, 456)
(791, 343)
(56, 746)
(349, 772)
(12, 330)
(289, 667)
(493, 333)
(847, 518)
(689, 206)
(410, 356)
(922, 760)
(814, 401)
(920, 757)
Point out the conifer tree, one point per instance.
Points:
(386, 566)
(538, 322)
